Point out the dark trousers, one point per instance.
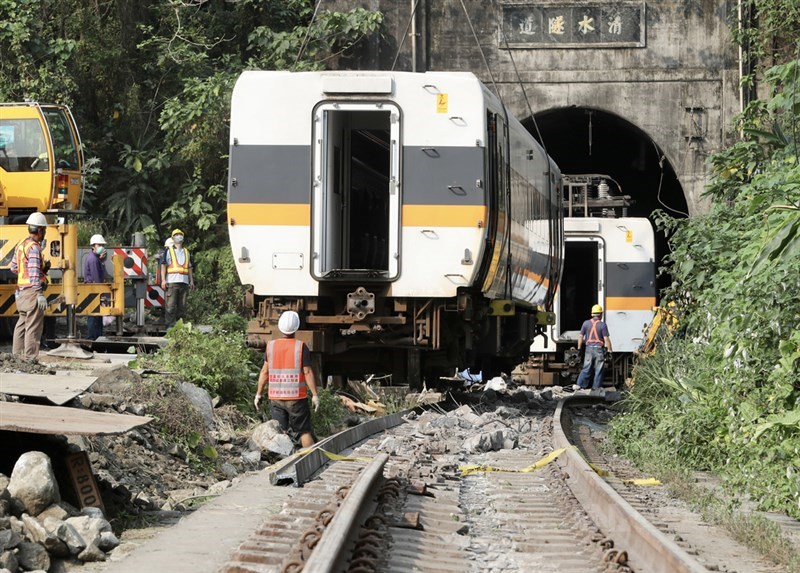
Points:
(176, 301)
(95, 327)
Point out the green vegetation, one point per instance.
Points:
(724, 393)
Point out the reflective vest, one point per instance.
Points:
(594, 338)
(175, 266)
(287, 381)
(23, 251)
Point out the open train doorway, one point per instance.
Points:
(580, 285)
(586, 140)
(356, 195)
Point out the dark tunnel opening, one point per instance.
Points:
(583, 140)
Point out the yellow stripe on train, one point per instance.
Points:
(630, 302)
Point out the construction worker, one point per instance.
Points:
(31, 270)
(287, 369)
(594, 332)
(176, 278)
(94, 271)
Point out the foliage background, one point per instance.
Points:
(723, 394)
(149, 82)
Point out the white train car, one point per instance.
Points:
(610, 261)
(413, 224)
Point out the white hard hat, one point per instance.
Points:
(289, 322)
(169, 242)
(37, 219)
(97, 240)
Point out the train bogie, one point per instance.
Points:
(413, 224)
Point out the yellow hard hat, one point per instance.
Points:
(597, 309)
(177, 232)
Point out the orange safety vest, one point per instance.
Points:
(175, 266)
(23, 274)
(287, 381)
(594, 337)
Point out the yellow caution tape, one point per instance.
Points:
(340, 458)
(474, 469)
(598, 470)
(642, 481)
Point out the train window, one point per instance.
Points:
(356, 191)
(581, 285)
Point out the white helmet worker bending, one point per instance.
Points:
(287, 370)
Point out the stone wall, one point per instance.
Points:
(667, 67)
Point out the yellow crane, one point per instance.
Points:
(41, 170)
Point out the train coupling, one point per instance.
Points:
(360, 303)
(572, 357)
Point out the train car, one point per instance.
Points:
(410, 220)
(609, 259)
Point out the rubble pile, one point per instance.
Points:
(38, 530)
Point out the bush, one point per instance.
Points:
(218, 361)
(218, 290)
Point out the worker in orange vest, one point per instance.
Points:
(595, 333)
(31, 270)
(287, 370)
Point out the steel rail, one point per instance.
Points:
(334, 546)
(618, 519)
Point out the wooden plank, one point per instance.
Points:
(58, 420)
(57, 389)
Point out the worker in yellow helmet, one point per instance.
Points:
(594, 332)
(176, 278)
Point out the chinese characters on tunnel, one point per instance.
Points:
(584, 25)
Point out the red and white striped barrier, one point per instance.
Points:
(155, 297)
(134, 261)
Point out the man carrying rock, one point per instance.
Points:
(287, 369)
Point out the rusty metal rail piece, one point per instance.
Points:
(618, 519)
(332, 548)
(300, 468)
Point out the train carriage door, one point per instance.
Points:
(356, 194)
(582, 283)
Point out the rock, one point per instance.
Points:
(263, 433)
(33, 530)
(9, 539)
(113, 380)
(219, 487)
(484, 442)
(92, 553)
(389, 445)
(86, 401)
(33, 483)
(90, 528)
(32, 556)
(56, 511)
(506, 412)
(8, 560)
(497, 384)
(108, 541)
(201, 400)
(251, 458)
(546, 394)
(3, 482)
(104, 400)
(67, 534)
(228, 470)
(137, 409)
(489, 395)
(95, 512)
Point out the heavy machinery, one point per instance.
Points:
(41, 169)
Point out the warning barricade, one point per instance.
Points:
(134, 261)
(155, 297)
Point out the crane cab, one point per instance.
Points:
(41, 160)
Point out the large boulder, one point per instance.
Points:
(89, 528)
(65, 533)
(267, 437)
(201, 400)
(114, 379)
(33, 483)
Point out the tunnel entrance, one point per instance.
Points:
(584, 140)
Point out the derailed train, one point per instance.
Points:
(410, 220)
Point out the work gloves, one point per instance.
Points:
(257, 401)
(41, 302)
(315, 403)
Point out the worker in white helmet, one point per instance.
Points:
(287, 369)
(94, 271)
(29, 265)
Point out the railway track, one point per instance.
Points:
(459, 491)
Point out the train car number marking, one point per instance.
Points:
(80, 472)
